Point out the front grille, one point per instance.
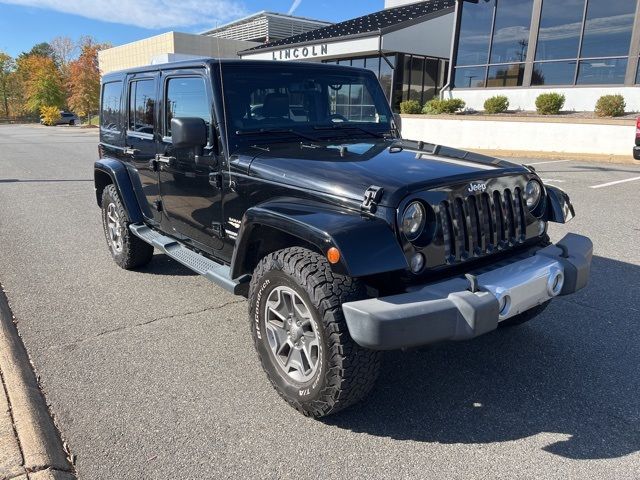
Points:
(481, 224)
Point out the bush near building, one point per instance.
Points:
(497, 104)
(438, 107)
(410, 106)
(610, 106)
(50, 114)
(550, 103)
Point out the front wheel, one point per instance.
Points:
(300, 334)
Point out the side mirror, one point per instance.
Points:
(188, 132)
(397, 119)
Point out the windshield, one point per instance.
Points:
(283, 103)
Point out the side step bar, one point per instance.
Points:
(212, 270)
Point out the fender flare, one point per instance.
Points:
(367, 245)
(559, 206)
(117, 171)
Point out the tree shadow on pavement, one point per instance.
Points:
(572, 371)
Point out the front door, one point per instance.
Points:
(189, 185)
(140, 148)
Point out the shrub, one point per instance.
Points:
(50, 115)
(610, 106)
(497, 104)
(550, 103)
(437, 106)
(410, 106)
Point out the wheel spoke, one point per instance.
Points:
(310, 349)
(301, 311)
(295, 361)
(279, 335)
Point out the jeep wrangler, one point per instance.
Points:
(290, 184)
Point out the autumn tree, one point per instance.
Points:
(42, 82)
(84, 81)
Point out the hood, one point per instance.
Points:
(348, 169)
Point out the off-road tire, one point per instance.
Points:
(134, 252)
(346, 372)
(524, 317)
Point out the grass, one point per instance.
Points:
(93, 122)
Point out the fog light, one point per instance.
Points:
(555, 284)
(503, 305)
(417, 263)
(542, 227)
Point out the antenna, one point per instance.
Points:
(224, 114)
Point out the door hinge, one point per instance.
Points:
(372, 197)
(158, 205)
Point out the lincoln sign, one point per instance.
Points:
(301, 52)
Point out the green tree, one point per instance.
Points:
(7, 67)
(41, 50)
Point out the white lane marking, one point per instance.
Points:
(544, 163)
(616, 182)
(552, 180)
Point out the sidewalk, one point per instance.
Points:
(30, 446)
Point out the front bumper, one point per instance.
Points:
(450, 310)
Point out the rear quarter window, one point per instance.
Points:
(111, 106)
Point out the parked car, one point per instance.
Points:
(636, 148)
(289, 184)
(66, 118)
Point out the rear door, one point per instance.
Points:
(141, 138)
(190, 186)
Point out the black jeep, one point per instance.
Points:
(290, 184)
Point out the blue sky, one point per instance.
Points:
(23, 23)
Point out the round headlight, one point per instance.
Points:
(413, 221)
(533, 194)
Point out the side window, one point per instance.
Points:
(110, 106)
(186, 97)
(142, 101)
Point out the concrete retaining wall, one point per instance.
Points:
(587, 136)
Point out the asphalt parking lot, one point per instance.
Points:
(152, 374)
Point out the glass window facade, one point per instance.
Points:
(579, 42)
(403, 76)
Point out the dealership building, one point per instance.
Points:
(469, 49)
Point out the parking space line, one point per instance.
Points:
(615, 183)
(544, 163)
(552, 180)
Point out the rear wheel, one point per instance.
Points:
(300, 334)
(525, 316)
(127, 250)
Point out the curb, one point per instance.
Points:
(39, 440)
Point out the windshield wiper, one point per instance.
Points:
(347, 127)
(263, 131)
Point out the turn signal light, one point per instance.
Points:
(333, 255)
